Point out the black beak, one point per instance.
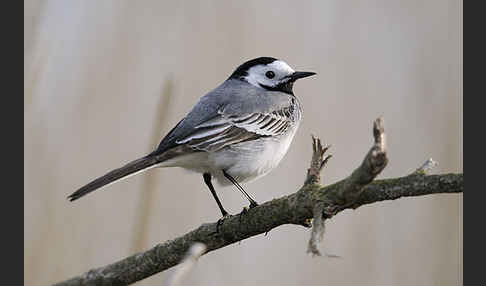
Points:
(300, 74)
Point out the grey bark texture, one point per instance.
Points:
(312, 201)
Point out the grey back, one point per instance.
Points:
(232, 97)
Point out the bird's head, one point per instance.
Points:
(269, 73)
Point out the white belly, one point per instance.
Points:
(248, 161)
(244, 161)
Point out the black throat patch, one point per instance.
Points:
(286, 87)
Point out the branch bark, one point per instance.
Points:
(311, 201)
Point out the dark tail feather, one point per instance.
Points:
(117, 174)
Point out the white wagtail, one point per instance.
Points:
(236, 133)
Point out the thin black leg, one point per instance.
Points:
(253, 203)
(207, 180)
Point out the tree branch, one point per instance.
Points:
(350, 189)
(311, 201)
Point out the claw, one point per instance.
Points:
(253, 204)
(220, 222)
(243, 212)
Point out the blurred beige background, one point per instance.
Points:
(106, 80)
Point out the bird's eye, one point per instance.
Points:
(270, 74)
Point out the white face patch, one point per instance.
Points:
(256, 75)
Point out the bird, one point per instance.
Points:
(236, 133)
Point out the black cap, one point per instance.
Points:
(243, 68)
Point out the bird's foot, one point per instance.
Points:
(253, 204)
(243, 212)
(220, 222)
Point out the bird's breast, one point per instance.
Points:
(247, 161)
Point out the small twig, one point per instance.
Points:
(426, 167)
(318, 161)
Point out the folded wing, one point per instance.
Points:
(223, 130)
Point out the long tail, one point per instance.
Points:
(129, 169)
